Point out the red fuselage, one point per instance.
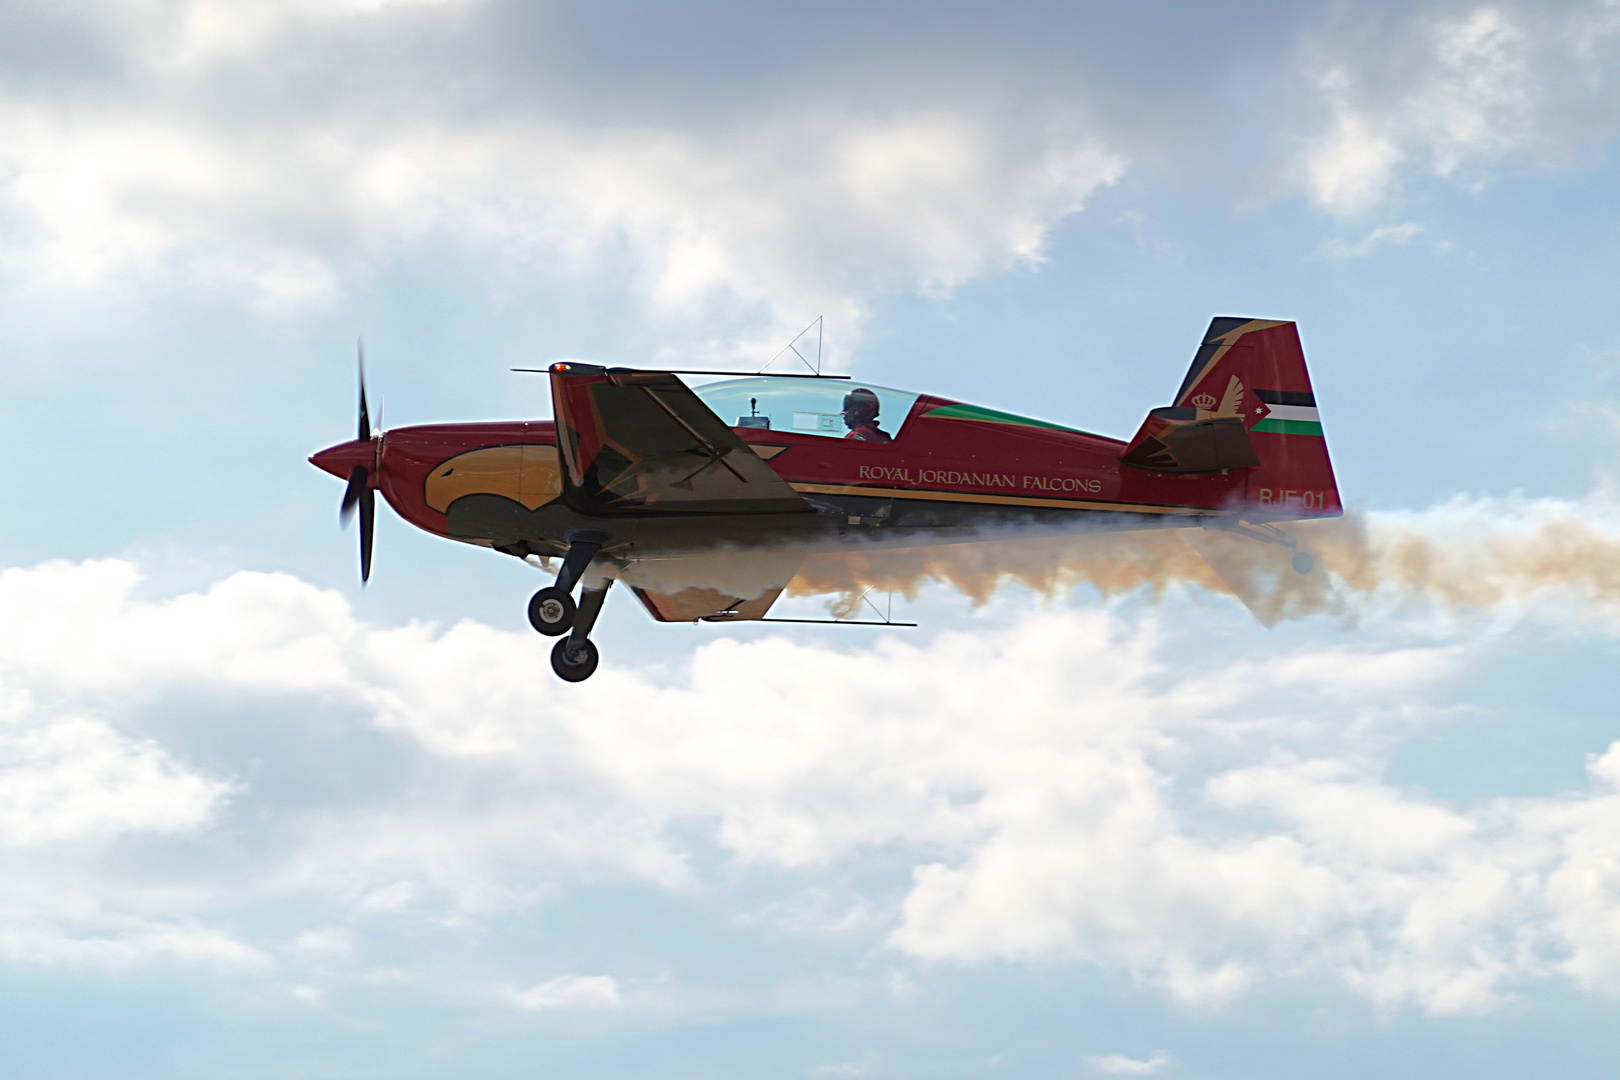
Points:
(942, 474)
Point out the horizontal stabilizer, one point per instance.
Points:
(1175, 440)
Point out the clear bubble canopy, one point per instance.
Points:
(802, 406)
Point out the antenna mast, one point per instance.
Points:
(793, 347)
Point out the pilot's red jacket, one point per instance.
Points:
(869, 432)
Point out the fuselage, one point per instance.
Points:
(950, 471)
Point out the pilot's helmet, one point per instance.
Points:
(860, 405)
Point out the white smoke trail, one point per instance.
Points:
(1466, 555)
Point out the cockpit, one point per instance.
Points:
(802, 406)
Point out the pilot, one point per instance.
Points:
(861, 416)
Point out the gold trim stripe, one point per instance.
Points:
(997, 500)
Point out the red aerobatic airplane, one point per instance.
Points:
(706, 500)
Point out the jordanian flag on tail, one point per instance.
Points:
(1287, 412)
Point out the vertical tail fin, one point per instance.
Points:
(1248, 373)
(1255, 369)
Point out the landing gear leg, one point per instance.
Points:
(574, 658)
(552, 610)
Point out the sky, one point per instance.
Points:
(258, 821)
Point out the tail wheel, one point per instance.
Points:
(1303, 562)
(551, 611)
(575, 666)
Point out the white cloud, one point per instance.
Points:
(814, 911)
(1383, 236)
(1120, 1065)
(325, 942)
(1059, 794)
(75, 933)
(570, 992)
(77, 779)
(1349, 169)
(231, 146)
(1330, 808)
(200, 32)
(387, 976)
(843, 1068)
(309, 995)
(293, 214)
(290, 200)
(1450, 95)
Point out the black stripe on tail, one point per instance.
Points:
(1286, 397)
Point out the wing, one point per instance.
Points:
(637, 442)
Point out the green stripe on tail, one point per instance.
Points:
(1289, 427)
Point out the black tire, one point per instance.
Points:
(576, 668)
(551, 611)
(1303, 562)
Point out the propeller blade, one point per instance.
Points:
(352, 494)
(368, 522)
(365, 415)
(359, 493)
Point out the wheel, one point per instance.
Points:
(551, 611)
(1303, 562)
(576, 668)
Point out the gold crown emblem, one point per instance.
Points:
(1204, 401)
